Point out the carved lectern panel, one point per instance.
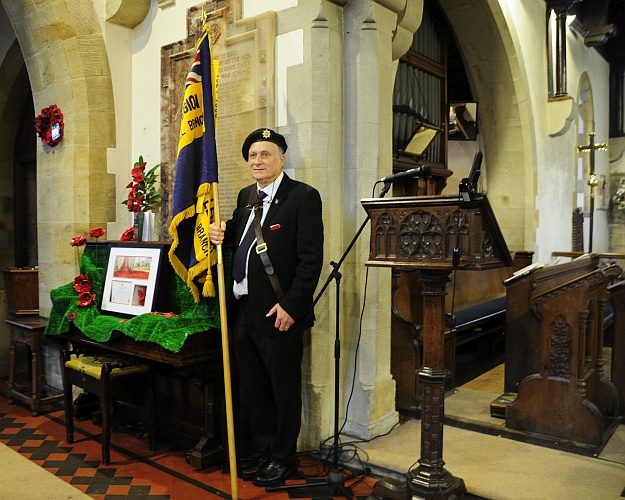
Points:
(424, 231)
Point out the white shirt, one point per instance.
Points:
(240, 289)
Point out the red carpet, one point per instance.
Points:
(136, 472)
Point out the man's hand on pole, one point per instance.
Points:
(216, 233)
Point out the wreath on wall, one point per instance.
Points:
(49, 125)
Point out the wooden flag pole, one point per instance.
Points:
(223, 316)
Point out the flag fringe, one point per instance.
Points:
(189, 275)
(178, 266)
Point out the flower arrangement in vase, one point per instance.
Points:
(143, 196)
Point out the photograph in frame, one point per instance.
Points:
(130, 279)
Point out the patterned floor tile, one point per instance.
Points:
(135, 472)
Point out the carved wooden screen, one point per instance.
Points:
(420, 93)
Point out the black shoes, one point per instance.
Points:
(249, 468)
(272, 473)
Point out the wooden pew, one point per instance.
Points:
(614, 322)
(616, 292)
(566, 395)
(523, 326)
(478, 311)
(604, 257)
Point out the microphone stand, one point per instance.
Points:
(335, 479)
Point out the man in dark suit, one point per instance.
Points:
(274, 283)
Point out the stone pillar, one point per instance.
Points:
(369, 71)
(342, 136)
(315, 122)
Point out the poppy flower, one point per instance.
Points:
(78, 241)
(85, 299)
(128, 234)
(82, 283)
(97, 232)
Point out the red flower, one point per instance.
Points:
(138, 201)
(71, 316)
(137, 173)
(97, 232)
(78, 241)
(143, 195)
(82, 283)
(85, 299)
(128, 234)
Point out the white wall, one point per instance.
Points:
(556, 156)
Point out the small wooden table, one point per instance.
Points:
(29, 330)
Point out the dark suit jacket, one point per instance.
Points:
(293, 231)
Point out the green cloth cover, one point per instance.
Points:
(168, 332)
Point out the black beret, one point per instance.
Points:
(263, 134)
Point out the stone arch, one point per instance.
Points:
(585, 104)
(14, 82)
(65, 56)
(506, 124)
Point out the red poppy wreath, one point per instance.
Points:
(49, 125)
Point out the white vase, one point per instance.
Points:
(149, 221)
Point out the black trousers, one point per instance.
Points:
(269, 369)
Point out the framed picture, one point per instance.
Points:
(130, 279)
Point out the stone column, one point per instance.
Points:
(369, 70)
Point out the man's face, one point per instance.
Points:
(265, 162)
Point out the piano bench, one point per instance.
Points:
(101, 374)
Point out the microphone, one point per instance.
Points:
(413, 172)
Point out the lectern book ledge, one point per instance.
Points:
(525, 270)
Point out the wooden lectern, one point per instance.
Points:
(434, 234)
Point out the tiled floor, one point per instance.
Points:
(135, 472)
